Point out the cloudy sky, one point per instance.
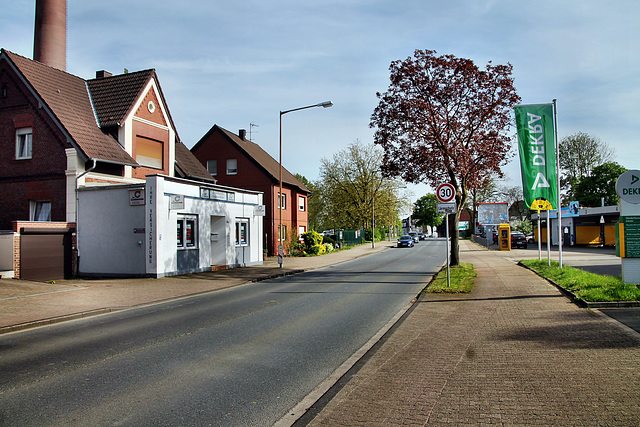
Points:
(239, 63)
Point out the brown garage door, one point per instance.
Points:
(45, 256)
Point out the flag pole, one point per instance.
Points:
(555, 125)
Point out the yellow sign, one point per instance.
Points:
(541, 205)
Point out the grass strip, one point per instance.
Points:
(585, 285)
(462, 280)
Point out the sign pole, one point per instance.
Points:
(448, 275)
(558, 195)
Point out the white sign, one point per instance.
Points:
(448, 208)
(445, 193)
(259, 210)
(628, 186)
(493, 213)
(176, 202)
(136, 197)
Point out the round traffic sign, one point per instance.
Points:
(628, 186)
(445, 192)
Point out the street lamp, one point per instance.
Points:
(325, 104)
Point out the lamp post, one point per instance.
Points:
(325, 104)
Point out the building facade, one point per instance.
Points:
(235, 161)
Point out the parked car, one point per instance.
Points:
(531, 238)
(414, 234)
(405, 241)
(422, 236)
(518, 240)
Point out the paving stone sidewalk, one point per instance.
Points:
(513, 352)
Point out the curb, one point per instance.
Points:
(580, 302)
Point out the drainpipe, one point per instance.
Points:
(77, 207)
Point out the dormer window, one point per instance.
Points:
(149, 152)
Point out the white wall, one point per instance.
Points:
(107, 242)
(6, 251)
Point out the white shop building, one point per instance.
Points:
(167, 226)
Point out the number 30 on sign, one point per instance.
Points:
(445, 193)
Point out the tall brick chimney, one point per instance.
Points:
(50, 35)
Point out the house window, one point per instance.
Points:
(301, 203)
(232, 166)
(149, 152)
(23, 143)
(242, 232)
(40, 210)
(187, 232)
(301, 230)
(212, 167)
(282, 203)
(282, 234)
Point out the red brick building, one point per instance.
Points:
(237, 162)
(59, 132)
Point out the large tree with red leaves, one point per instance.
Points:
(443, 119)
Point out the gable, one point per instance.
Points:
(150, 108)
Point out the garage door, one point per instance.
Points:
(45, 257)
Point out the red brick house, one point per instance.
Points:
(59, 132)
(235, 161)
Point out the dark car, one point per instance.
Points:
(518, 240)
(406, 241)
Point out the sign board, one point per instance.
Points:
(445, 193)
(628, 237)
(628, 186)
(176, 201)
(259, 210)
(448, 208)
(136, 197)
(493, 213)
(541, 205)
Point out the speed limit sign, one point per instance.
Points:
(445, 193)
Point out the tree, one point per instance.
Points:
(353, 190)
(425, 211)
(579, 154)
(443, 119)
(600, 184)
(314, 202)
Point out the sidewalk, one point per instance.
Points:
(26, 304)
(513, 352)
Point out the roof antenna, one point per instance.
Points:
(251, 126)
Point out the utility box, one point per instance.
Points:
(504, 237)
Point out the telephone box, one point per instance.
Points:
(504, 237)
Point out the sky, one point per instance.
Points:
(238, 64)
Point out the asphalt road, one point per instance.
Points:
(241, 356)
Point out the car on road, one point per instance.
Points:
(405, 241)
(415, 236)
(422, 236)
(518, 240)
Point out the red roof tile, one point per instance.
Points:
(67, 98)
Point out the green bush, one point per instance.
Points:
(328, 247)
(316, 250)
(312, 238)
(329, 239)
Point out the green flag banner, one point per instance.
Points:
(537, 155)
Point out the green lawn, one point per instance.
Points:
(462, 280)
(586, 286)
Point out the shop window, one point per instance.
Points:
(232, 166)
(40, 210)
(242, 232)
(23, 143)
(187, 232)
(301, 203)
(149, 152)
(212, 167)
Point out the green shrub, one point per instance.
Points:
(316, 250)
(328, 247)
(312, 238)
